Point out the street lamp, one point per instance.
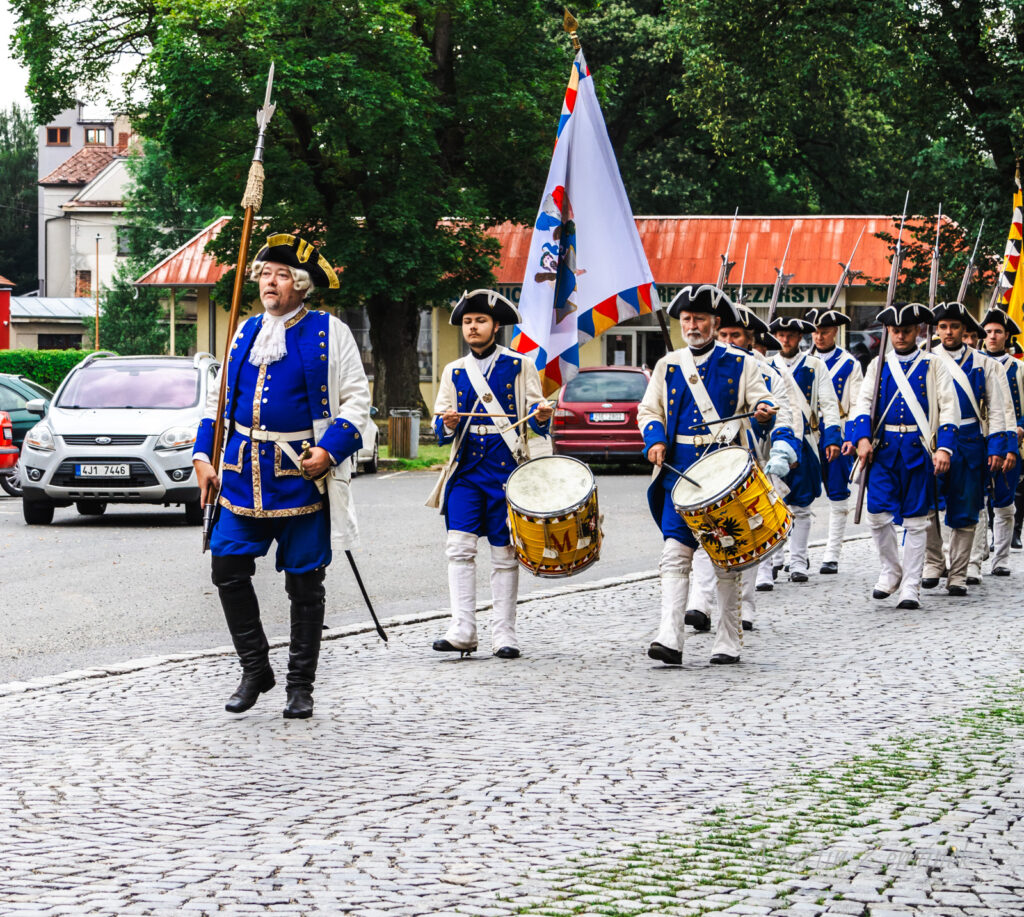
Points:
(96, 338)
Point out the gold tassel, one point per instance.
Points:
(253, 196)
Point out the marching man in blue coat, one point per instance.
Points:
(294, 376)
(846, 375)
(704, 381)
(980, 446)
(817, 410)
(999, 328)
(903, 447)
(481, 399)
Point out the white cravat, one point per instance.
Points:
(269, 346)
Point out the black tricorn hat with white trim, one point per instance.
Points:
(768, 340)
(827, 318)
(284, 248)
(791, 323)
(745, 319)
(901, 314)
(486, 302)
(705, 299)
(999, 317)
(954, 311)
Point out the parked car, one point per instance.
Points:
(595, 418)
(864, 344)
(15, 393)
(367, 458)
(8, 451)
(119, 430)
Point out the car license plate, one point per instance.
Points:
(103, 471)
(607, 417)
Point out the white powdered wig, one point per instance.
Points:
(303, 282)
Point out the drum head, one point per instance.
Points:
(549, 484)
(716, 474)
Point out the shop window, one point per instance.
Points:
(58, 136)
(60, 342)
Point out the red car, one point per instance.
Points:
(595, 419)
(8, 451)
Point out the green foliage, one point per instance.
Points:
(18, 191)
(47, 367)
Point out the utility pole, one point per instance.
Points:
(96, 338)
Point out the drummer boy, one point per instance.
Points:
(705, 381)
(482, 407)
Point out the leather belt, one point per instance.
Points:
(901, 428)
(269, 436)
(969, 423)
(705, 439)
(481, 429)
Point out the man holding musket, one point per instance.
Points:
(294, 377)
(704, 381)
(907, 439)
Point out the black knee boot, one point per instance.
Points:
(1018, 517)
(232, 575)
(306, 591)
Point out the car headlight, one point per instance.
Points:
(41, 437)
(177, 438)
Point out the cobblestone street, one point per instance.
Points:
(860, 760)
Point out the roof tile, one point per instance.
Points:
(82, 166)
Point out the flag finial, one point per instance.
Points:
(571, 24)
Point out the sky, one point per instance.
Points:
(12, 76)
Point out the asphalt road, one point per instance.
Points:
(89, 590)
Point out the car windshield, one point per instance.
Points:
(37, 388)
(164, 386)
(606, 386)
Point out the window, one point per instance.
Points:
(11, 400)
(59, 342)
(137, 383)
(58, 136)
(95, 136)
(124, 245)
(83, 283)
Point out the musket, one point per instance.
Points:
(890, 295)
(933, 277)
(834, 298)
(727, 265)
(781, 280)
(743, 274)
(969, 270)
(252, 200)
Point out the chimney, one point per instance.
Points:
(5, 313)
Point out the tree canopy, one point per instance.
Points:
(19, 238)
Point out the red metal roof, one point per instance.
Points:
(82, 166)
(683, 249)
(190, 265)
(4, 282)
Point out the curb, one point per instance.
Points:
(148, 662)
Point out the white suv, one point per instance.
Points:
(119, 430)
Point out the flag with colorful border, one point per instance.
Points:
(1011, 279)
(587, 270)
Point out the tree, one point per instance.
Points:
(19, 241)
(403, 130)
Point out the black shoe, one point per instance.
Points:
(798, 577)
(507, 652)
(443, 646)
(909, 603)
(973, 581)
(300, 703)
(880, 594)
(1001, 571)
(775, 572)
(958, 591)
(664, 654)
(829, 566)
(723, 659)
(929, 582)
(748, 625)
(765, 587)
(699, 621)
(248, 691)
(1015, 542)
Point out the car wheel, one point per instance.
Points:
(90, 507)
(12, 482)
(371, 466)
(193, 513)
(37, 512)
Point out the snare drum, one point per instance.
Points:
(553, 516)
(733, 510)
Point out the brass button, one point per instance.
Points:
(264, 400)
(263, 451)
(509, 385)
(345, 425)
(323, 334)
(323, 356)
(322, 344)
(327, 413)
(234, 347)
(263, 426)
(323, 401)
(323, 388)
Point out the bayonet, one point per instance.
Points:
(781, 279)
(969, 270)
(933, 277)
(834, 298)
(727, 265)
(743, 273)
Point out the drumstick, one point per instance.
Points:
(467, 414)
(708, 423)
(528, 416)
(685, 477)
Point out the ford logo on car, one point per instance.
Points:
(103, 440)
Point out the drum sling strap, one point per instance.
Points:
(483, 391)
(726, 432)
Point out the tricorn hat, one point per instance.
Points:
(827, 318)
(745, 318)
(954, 311)
(791, 323)
(768, 340)
(284, 248)
(900, 314)
(999, 317)
(486, 302)
(703, 298)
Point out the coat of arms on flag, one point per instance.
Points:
(587, 270)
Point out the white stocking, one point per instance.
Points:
(675, 566)
(461, 552)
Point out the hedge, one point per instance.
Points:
(47, 367)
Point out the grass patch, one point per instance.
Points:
(428, 456)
